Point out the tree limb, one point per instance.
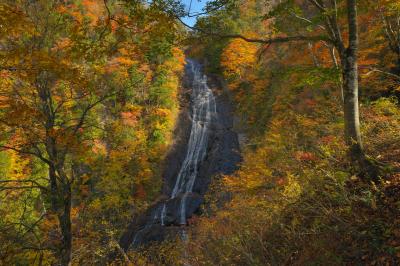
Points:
(38, 155)
(298, 38)
(373, 70)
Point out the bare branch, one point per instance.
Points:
(318, 5)
(374, 70)
(306, 20)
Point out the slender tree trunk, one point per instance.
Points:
(351, 105)
(64, 219)
(351, 109)
(350, 87)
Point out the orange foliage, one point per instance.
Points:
(95, 10)
(305, 156)
(238, 56)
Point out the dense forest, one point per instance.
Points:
(267, 133)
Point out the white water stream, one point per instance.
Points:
(203, 111)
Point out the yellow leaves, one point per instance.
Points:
(123, 61)
(177, 62)
(179, 55)
(15, 167)
(162, 112)
(4, 101)
(95, 9)
(254, 174)
(244, 183)
(62, 44)
(306, 121)
(391, 5)
(119, 65)
(131, 116)
(237, 57)
(99, 147)
(14, 22)
(292, 189)
(124, 51)
(116, 62)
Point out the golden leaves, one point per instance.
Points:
(14, 22)
(62, 44)
(162, 112)
(95, 10)
(129, 118)
(237, 57)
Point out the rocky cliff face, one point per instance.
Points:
(163, 219)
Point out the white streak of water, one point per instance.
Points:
(203, 111)
(203, 108)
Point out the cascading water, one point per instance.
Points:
(203, 110)
(203, 113)
(206, 146)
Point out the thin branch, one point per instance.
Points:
(318, 5)
(24, 181)
(21, 151)
(315, 38)
(111, 17)
(87, 109)
(306, 20)
(373, 70)
(15, 188)
(208, 11)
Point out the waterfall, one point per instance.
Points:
(203, 110)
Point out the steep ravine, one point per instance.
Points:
(205, 147)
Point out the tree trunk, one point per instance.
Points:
(351, 106)
(61, 205)
(350, 86)
(60, 193)
(64, 219)
(351, 109)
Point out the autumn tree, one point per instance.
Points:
(322, 21)
(389, 14)
(88, 90)
(47, 100)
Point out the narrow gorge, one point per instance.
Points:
(206, 146)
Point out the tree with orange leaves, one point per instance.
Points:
(64, 65)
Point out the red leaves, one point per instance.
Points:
(305, 156)
(140, 192)
(327, 139)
